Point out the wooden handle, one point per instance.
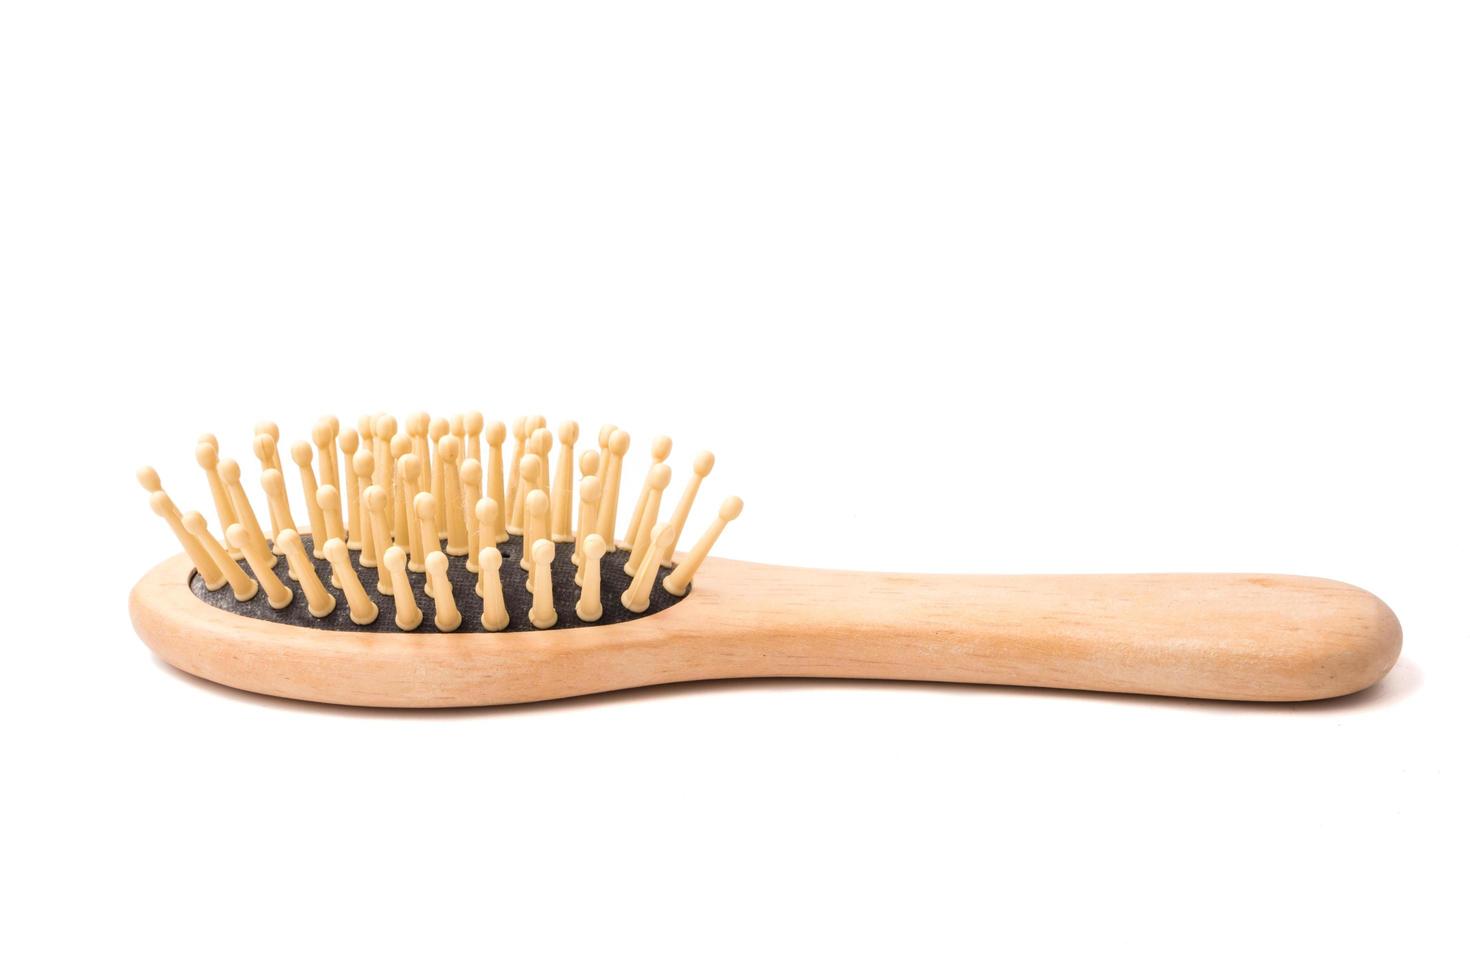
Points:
(1236, 637)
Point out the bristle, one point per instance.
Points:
(148, 479)
(319, 602)
(362, 609)
(301, 455)
(662, 446)
(229, 472)
(398, 449)
(446, 613)
(406, 612)
(607, 509)
(536, 519)
(657, 482)
(636, 598)
(703, 464)
(427, 538)
(276, 592)
(456, 429)
(493, 615)
(209, 571)
(274, 432)
(351, 489)
(362, 467)
(530, 476)
(470, 478)
(274, 484)
(243, 585)
(265, 451)
(513, 477)
(474, 424)
(207, 456)
(677, 582)
(323, 434)
(385, 427)
(329, 500)
(543, 601)
(458, 537)
(541, 443)
(561, 493)
(438, 429)
(487, 518)
(411, 477)
(376, 500)
(495, 478)
(604, 439)
(589, 491)
(589, 605)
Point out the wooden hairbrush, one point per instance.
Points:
(413, 589)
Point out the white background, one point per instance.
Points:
(1012, 287)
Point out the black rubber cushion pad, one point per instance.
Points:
(512, 579)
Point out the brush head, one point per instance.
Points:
(533, 583)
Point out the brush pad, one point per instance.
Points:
(513, 583)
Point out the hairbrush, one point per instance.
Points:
(432, 571)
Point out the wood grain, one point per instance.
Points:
(1236, 637)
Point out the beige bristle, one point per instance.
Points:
(277, 593)
(561, 494)
(660, 452)
(530, 478)
(210, 438)
(265, 451)
(604, 439)
(321, 438)
(243, 585)
(376, 501)
(207, 456)
(487, 517)
(438, 429)
(209, 570)
(458, 538)
(589, 605)
(657, 482)
(636, 598)
(495, 478)
(474, 425)
(229, 472)
(542, 442)
(399, 447)
(351, 489)
(406, 612)
(446, 613)
(385, 427)
(589, 491)
(677, 581)
(330, 501)
(319, 601)
(148, 479)
(410, 476)
(362, 466)
(493, 615)
(301, 454)
(470, 477)
(536, 520)
(607, 509)
(362, 610)
(518, 433)
(428, 537)
(274, 432)
(543, 602)
(274, 484)
(365, 431)
(456, 429)
(703, 463)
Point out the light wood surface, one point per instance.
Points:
(1241, 637)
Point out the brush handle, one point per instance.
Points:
(1237, 637)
